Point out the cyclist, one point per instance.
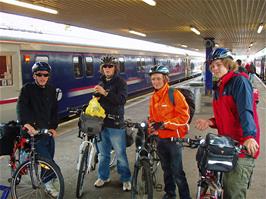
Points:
(235, 117)
(169, 122)
(112, 93)
(37, 109)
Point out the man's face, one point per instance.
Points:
(157, 80)
(41, 77)
(108, 70)
(218, 69)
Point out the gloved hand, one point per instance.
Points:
(157, 125)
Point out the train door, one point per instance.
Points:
(10, 80)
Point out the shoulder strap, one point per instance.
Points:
(171, 91)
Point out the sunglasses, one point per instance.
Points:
(40, 74)
(108, 66)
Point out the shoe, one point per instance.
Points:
(127, 186)
(100, 183)
(50, 189)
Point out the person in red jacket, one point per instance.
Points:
(235, 116)
(169, 122)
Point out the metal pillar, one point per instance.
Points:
(209, 44)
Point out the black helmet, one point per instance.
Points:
(221, 53)
(159, 69)
(41, 66)
(109, 60)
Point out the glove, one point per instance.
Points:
(157, 125)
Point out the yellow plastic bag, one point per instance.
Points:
(95, 109)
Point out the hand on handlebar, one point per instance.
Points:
(53, 132)
(154, 126)
(30, 130)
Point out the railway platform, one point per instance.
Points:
(67, 146)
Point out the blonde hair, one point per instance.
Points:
(230, 64)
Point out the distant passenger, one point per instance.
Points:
(241, 68)
(37, 109)
(251, 69)
(169, 122)
(235, 117)
(112, 91)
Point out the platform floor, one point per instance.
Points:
(67, 145)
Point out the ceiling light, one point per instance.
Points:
(217, 45)
(193, 29)
(260, 28)
(150, 2)
(30, 6)
(184, 46)
(137, 33)
(251, 44)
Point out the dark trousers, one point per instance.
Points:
(170, 154)
(45, 147)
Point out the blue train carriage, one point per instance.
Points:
(76, 70)
(260, 64)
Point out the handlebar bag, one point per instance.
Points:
(8, 133)
(91, 125)
(218, 153)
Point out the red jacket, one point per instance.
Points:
(175, 118)
(234, 108)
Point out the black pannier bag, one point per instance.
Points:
(90, 125)
(218, 153)
(8, 133)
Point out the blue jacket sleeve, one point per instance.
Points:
(243, 96)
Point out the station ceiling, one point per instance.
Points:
(233, 23)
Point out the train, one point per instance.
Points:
(75, 69)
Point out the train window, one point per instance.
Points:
(121, 62)
(89, 66)
(41, 59)
(142, 62)
(6, 77)
(77, 63)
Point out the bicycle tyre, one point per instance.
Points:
(82, 172)
(143, 187)
(43, 167)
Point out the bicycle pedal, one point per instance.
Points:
(159, 187)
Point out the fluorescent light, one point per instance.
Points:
(260, 28)
(251, 44)
(194, 30)
(150, 2)
(137, 33)
(184, 46)
(216, 45)
(30, 6)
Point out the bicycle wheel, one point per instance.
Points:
(34, 179)
(83, 168)
(202, 190)
(142, 181)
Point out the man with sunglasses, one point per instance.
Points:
(37, 109)
(112, 93)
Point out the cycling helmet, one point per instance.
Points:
(109, 60)
(221, 53)
(41, 66)
(159, 69)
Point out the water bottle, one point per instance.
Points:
(23, 157)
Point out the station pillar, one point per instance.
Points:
(209, 44)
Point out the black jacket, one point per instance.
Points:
(114, 102)
(38, 106)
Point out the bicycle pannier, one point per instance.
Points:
(89, 124)
(218, 153)
(8, 133)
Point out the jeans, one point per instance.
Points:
(236, 182)
(45, 147)
(116, 138)
(170, 154)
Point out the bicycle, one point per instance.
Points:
(30, 177)
(88, 154)
(212, 165)
(144, 178)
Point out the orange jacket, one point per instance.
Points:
(175, 118)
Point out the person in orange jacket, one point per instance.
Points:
(169, 122)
